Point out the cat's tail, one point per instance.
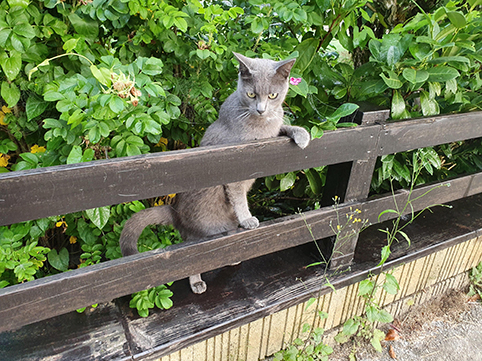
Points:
(136, 224)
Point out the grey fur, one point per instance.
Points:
(206, 212)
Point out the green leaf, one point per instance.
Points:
(19, 3)
(70, 45)
(391, 82)
(287, 181)
(116, 104)
(307, 50)
(315, 181)
(398, 106)
(429, 106)
(378, 336)
(404, 235)
(310, 302)
(446, 59)
(99, 216)
(365, 287)
(391, 285)
(85, 26)
(35, 106)
(153, 66)
(24, 29)
(10, 93)
(442, 74)
(53, 96)
(350, 327)
(102, 75)
(415, 76)
(75, 155)
(457, 19)
(385, 254)
(11, 65)
(60, 260)
(342, 111)
(385, 212)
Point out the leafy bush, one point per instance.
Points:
(88, 80)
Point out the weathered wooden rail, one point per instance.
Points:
(57, 190)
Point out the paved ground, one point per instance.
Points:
(448, 328)
(440, 340)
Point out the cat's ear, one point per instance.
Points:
(243, 65)
(283, 68)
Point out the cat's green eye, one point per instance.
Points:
(250, 95)
(272, 95)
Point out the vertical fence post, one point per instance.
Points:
(357, 183)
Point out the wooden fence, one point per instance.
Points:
(43, 192)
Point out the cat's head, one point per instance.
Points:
(263, 83)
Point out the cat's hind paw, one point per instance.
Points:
(250, 223)
(199, 287)
(197, 284)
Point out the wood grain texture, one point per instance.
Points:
(54, 295)
(43, 192)
(425, 132)
(96, 334)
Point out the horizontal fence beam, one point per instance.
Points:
(43, 192)
(426, 132)
(54, 295)
(70, 188)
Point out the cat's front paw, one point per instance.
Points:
(302, 138)
(250, 223)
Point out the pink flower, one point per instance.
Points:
(295, 81)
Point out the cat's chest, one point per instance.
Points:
(261, 128)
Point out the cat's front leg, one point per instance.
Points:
(236, 193)
(298, 134)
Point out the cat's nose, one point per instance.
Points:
(260, 108)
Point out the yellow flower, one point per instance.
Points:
(338, 227)
(2, 116)
(162, 143)
(4, 160)
(171, 195)
(159, 203)
(36, 149)
(73, 240)
(60, 224)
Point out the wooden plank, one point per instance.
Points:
(243, 293)
(44, 298)
(70, 188)
(425, 132)
(95, 334)
(357, 189)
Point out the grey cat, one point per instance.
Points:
(253, 111)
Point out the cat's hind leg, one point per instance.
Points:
(197, 284)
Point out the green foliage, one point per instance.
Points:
(475, 276)
(144, 300)
(310, 348)
(20, 260)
